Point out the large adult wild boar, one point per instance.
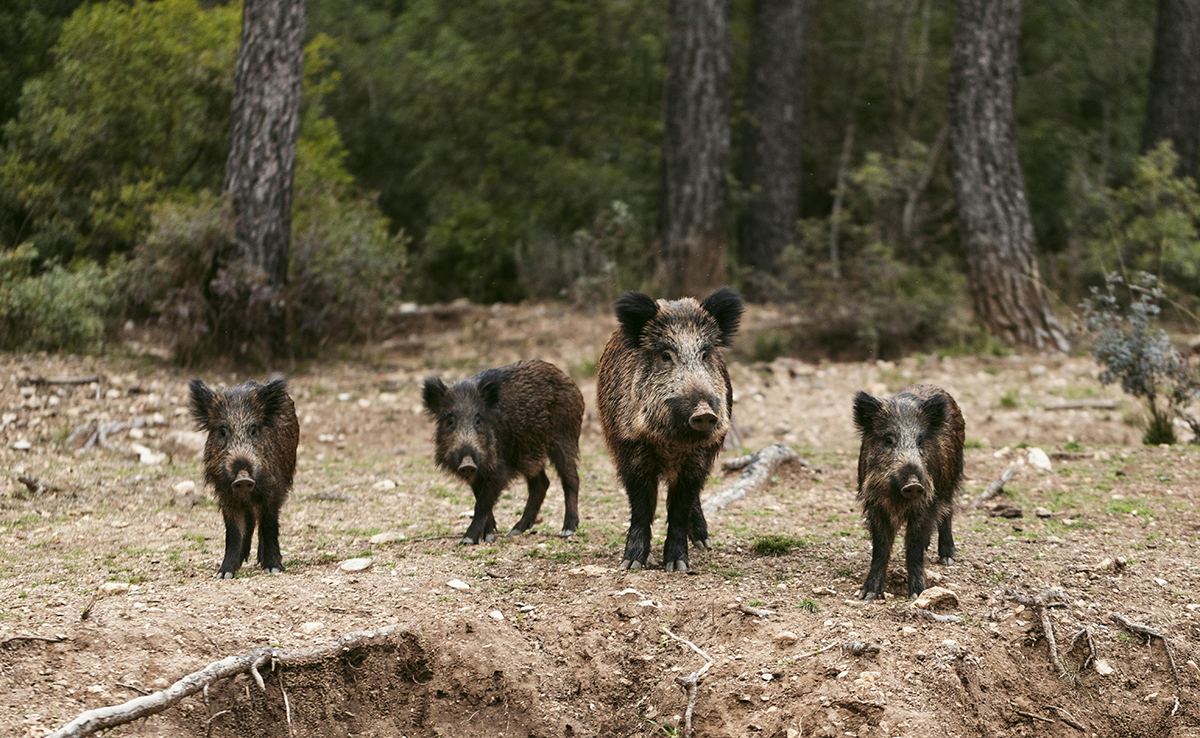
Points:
(664, 398)
(249, 459)
(910, 467)
(504, 423)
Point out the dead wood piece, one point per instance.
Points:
(756, 474)
(1150, 634)
(101, 718)
(135, 688)
(82, 433)
(929, 615)
(758, 612)
(858, 648)
(1082, 405)
(690, 682)
(46, 639)
(995, 487)
(88, 379)
(1022, 713)
(36, 486)
(1067, 718)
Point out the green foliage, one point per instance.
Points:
(777, 545)
(60, 308)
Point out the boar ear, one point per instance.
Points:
(934, 410)
(274, 398)
(725, 305)
(433, 394)
(634, 310)
(201, 403)
(866, 409)
(489, 387)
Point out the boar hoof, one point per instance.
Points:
(274, 570)
(946, 561)
(224, 575)
(489, 537)
(517, 532)
(703, 543)
(678, 565)
(630, 564)
(566, 533)
(865, 595)
(467, 541)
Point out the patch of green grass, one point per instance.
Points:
(847, 572)
(1072, 446)
(1128, 505)
(807, 604)
(728, 573)
(974, 443)
(777, 545)
(1009, 399)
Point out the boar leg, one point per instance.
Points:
(248, 533)
(538, 484)
(641, 486)
(568, 474)
(883, 534)
(698, 526)
(683, 498)
(483, 524)
(916, 540)
(945, 541)
(269, 556)
(233, 545)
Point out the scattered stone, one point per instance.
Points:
(146, 455)
(364, 403)
(526, 608)
(22, 445)
(312, 627)
(326, 438)
(933, 576)
(629, 591)
(1042, 512)
(1004, 510)
(793, 733)
(1102, 456)
(387, 537)
(185, 486)
(356, 565)
(496, 615)
(1102, 667)
(823, 591)
(343, 397)
(458, 584)
(1037, 370)
(936, 598)
(1038, 458)
(786, 638)
(466, 514)
(1160, 582)
(908, 630)
(1112, 565)
(184, 444)
(112, 588)
(768, 677)
(384, 485)
(591, 570)
(1053, 539)
(868, 678)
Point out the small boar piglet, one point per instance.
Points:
(502, 424)
(249, 461)
(910, 467)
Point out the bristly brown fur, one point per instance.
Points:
(658, 370)
(912, 440)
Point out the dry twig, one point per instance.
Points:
(756, 474)
(65, 380)
(690, 682)
(1034, 717)
(928, 615)
(1067, 718)
(995, 487)
(1041, 604)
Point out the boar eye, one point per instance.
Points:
(705, 354)
(666, 357)
(889, 439)
(449, 421)
(222, 431)
(253, 431)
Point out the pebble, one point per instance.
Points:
(384, 485)
(344, 397)
(185, 486)
(458, 584)
(496, 615)
(823, 591)
(936, 597)
(1042, 512)
(353, 565)
(592, 570)
(1102, 667)
(868, 678)
(387, 537)
(312, 627)
(767, 677)
(326, 438)
(364, 403)
(22, 445)
(909, 630)
(1038, 458)
(112, 588)
(526, 608)
(786, 638)
(147, 456)
(1037, 370)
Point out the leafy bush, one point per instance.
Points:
(1140, 355)
(59, 308)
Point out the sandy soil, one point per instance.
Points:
(107, 588)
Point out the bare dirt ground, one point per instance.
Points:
(107, 587)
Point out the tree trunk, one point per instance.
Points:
(692, 229)
(1173, 108)
(771, 154)
(994, 224)
(264, 125)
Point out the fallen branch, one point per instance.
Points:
(1150, 634)
(690, 682)
(1067, 718)
(36, 486)
(1082, 405)
(1041, 604)
(760, 468)
(102, 718)
(65, 380)
(1034, 717)
(995, 487)
(929, 615)
(46, 639)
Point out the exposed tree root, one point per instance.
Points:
(1150, 634)
(758, 469)
(690, 682)
(107, 717)
(1041, 604)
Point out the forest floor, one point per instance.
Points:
(107, 566)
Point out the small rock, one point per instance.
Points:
(1038, 458)
(496, 615)
(312, 627)
(343, 397)
(1160, 582)
(147, 456)
(353, 565)
(326, 438)
(185, 486)
(1102, 667)
(933, 576)
(1112, 565)
(909, 630)
(1004, 510)
(824, 591)
(364, 403)
(112, 588)
(793, 733)
(527, 608)
(384, 485)
(387, 537)
(22, 445)
(1053, 539)
(936, 598)
(1037, 370)
(629, 591)
(466, 514)
(458, 584)
(1102, 456)
(591, 570)
(786, 638)
(867, 678)
(1042, 512)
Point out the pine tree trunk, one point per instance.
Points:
(994, 223)
(692, 228)
(264, 125)
(1173, 108)
(771, 154)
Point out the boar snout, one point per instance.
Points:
(912, 488)
(703, 418)
(467, 466)
(243, 483)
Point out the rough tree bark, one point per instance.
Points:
(994, 223)
(264, 125)
(692, 227)
(1173, 108)
(771, 154)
